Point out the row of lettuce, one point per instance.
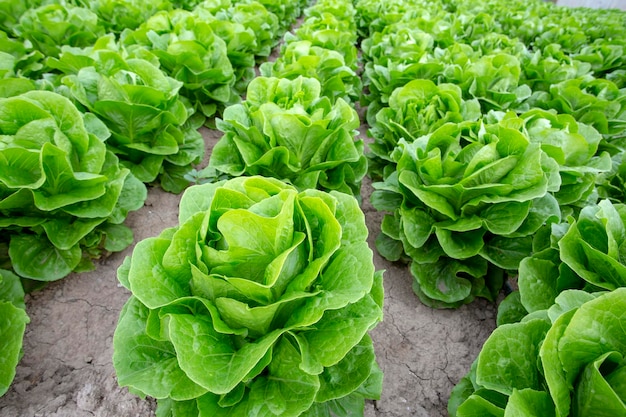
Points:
(260, 301)
(498, 134)
(98, 99)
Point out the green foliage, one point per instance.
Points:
(48, 27)
(142, 108)
(257, 303)
(288, 130)
(567, 360)
(12, 326)
(189, 51)
(462, 196)
(303, 59)
(60, 188)
(255, 17)
(414, 110)
(117, 15)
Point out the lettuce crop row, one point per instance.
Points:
(448, 95)
(276, 279)
(501, 155)
(96, 99)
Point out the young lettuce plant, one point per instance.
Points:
(567, 360)
(252, 15)
(118, 15)
(149, 121)
(595, 101)
(189, 51)
(285, 129)
(63, 196)
(302, 59)
(50, 26)
(414, 110)
(19, 66)
(574, 146)
(258, 303)
(493, 79)
(467, 195)
(330, 32)
(14, 321)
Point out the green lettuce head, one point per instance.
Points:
(50, 26)
(466, 195)
(63, 195)
(416, 109)
(287, 129)
(151, 129)
(303, 59)
(584, 253)
(189, 51)
(257, 303)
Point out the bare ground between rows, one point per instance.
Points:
(67, 370)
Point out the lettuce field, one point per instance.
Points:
(294, 208)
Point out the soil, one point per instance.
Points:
(67, 370)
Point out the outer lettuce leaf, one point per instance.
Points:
(14, 321)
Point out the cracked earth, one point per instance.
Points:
(67, 369)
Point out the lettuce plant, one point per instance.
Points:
(189, 51)
(257, 303)
(574, 146)
(566, 360)
(330, 32)
(63, 196)
(118, 15)
(50, 26)
(414, 110)
(467, 195)
(18, 60)
(551, 65)
(493, 79)
(142, 108)
(286, 11)
(285, 129)
(14, 321)
(595, 101)
(253, 15)
(302, 59)
(11, 11)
